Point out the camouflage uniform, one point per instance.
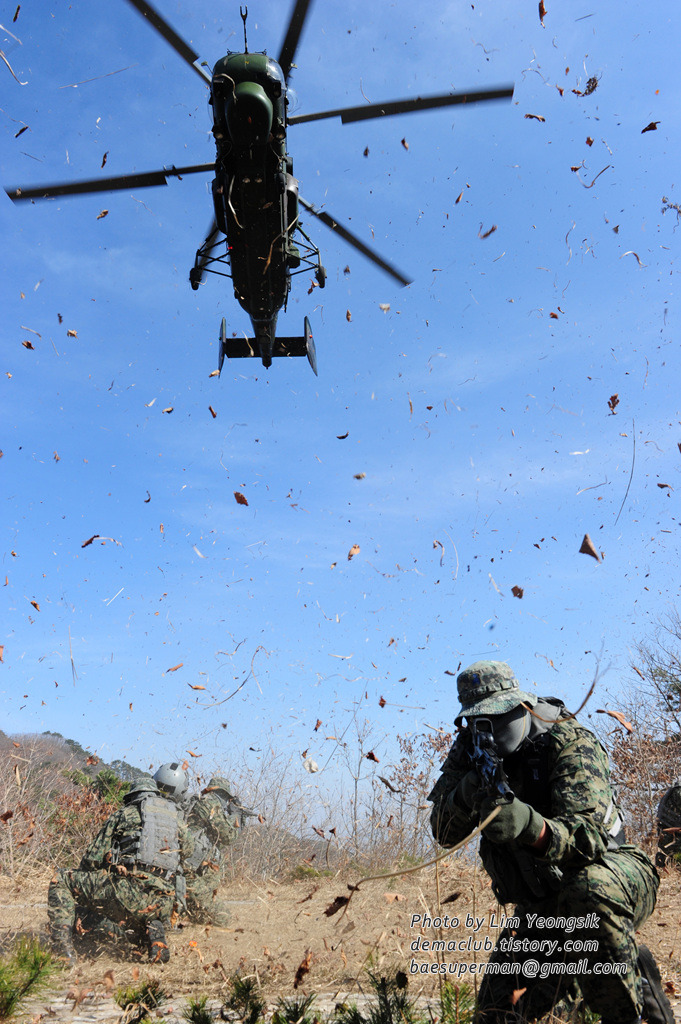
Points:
(669, 824)
(563, 780)
(112, 896)
(212, 827)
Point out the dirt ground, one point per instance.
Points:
(280, 930)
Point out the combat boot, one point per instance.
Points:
(62, 944)
(158, 948)
(656, 1007)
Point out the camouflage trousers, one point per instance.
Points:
(619, 893)
(127, 901)
(202, 906)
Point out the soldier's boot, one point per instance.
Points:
(62, 944)
(156, 938)
(656, 1007)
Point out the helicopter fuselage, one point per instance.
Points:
(254, 192)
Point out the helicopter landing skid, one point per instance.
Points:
(240, 348)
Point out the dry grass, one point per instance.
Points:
(278, 926)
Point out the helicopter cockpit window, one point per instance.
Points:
(276, 76)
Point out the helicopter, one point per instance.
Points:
(256, 236)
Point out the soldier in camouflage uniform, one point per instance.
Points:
(556, 849)
(669, 824)
(130, 877)
(213, 819)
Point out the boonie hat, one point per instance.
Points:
(489, 688)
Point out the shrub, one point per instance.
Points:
(22, 971)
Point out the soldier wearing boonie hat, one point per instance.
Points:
(556, 848)
(489, 688)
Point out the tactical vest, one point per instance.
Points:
(203, 850)
(517, 874)
(157, 842)
(536, 759)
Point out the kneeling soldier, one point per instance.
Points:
(556, 848)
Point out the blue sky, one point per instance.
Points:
(480, 422)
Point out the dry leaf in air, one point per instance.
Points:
(348, 315)
(354, 550)
(388, 784)
(72, 334)
(240, 498)
(175, 667)
(303, 968)
(588, 548)
(617, 715)
(333, 908)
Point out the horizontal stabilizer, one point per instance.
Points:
(241, 348)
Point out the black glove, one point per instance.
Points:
(467, 791)
(515, 820)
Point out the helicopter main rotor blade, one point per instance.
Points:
(355, 242)
(123, 181)
(170, 35)
(368, 111)
(293, 33)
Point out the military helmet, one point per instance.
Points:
(489, 688)
(171, 780)
(220, 784)
(669, 807)
(139, 788)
